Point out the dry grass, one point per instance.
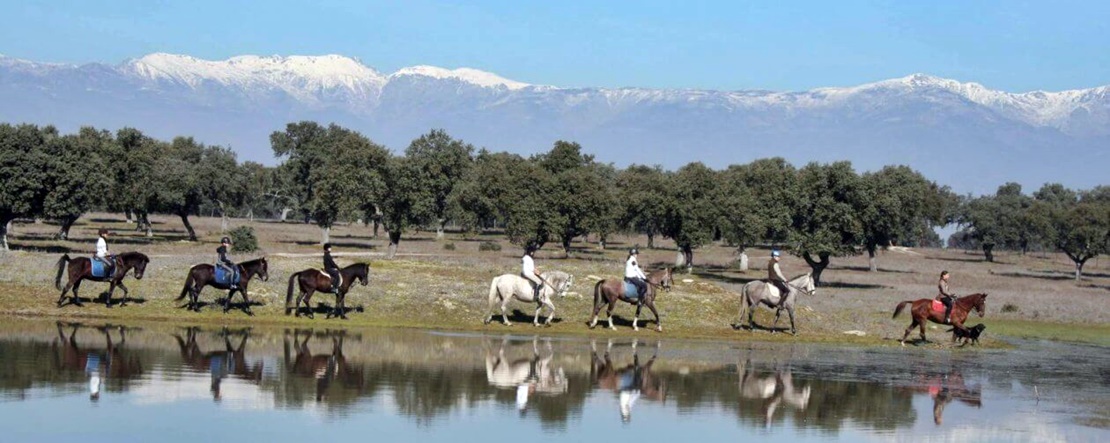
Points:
(429, 287)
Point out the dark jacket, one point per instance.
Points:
(222, 251)
(328, 262)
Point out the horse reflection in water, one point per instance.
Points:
(323, 367)
(773, 388)
(528, 375)
(220, 364)
(945, 388)
(113, 362)
(630, 382)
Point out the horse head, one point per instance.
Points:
(263, 269)
(136, 260)
(666, 280)
(564, 287)
(981, 304)
(363, 273)
(807, 284)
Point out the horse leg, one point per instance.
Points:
(62, 297)
(551, 315)
(658, 324)
(609, 312)
(778, 312)
(297, 304)
(504, 316)
(342, 304)
(246, 301)
(77, 298)
(536, 318)
(922, 327)
(793, 330)
(907, 334)
(227, 302)
(125, 294)
(597, 308)
(308, 303)
(636, 318)
(108, 296)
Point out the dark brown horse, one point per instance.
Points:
(80, 269)
(630, 382)
(323, 367)
(311, 280)
(205, 275)
(610, 290)
(113, 362)
(922, 310)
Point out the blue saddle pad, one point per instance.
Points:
(224, 276)
(99, 270)
(630, 291)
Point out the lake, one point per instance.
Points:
(96, 382)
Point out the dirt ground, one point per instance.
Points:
(430, 286)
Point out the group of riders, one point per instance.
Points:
(633, 274)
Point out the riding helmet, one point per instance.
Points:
(775, 253)
(327, 246)
(102, 231)
(633, 251)
(225, 240)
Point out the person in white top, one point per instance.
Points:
(633, 274)
(775, 277)
(529, 270)
(102, 253)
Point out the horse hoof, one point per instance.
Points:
(659, 329)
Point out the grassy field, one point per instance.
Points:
(429, 286)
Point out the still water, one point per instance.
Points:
(94, 382)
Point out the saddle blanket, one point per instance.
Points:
(224, 276)
(938, 306)
(630, 291)
(325, 272)
(99, 269)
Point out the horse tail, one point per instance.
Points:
(493, 291)
(597, 292)
(187, 287)
(289, 293)
(61, 269)
(745, 302)
(898, 309)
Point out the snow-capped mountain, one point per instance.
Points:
(963, 134)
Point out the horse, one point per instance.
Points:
(113, 363)
(771, 389)
(756, 292)
(219, 364)
(506, 287)
(80, 269)
(312, 280)
(613, 290)
(921, 312)
(323, 367)
(527, 375)
(205, 274)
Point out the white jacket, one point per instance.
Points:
(632, 269)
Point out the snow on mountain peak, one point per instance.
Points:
(474, 76)
(294, 74)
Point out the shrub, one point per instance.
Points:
(489, 246)
(449, 246)
(1009, 307)
(243, 239)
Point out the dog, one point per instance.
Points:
(971, 335)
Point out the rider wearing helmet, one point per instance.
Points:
(529, 271)
(226, 263)
(633, 274)
(945, 296)
(331, 268)
(774, 274)
(102, 253)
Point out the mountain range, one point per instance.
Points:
(961, 134)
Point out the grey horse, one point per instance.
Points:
(760, 292)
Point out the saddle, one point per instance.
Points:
(225, 275)
(100, 270)
(340, 274)
(630, 291)
(937, 306)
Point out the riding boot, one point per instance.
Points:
(947, 314)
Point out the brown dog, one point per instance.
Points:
(971, 335)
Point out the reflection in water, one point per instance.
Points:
(402, 379)
(771, 388)
(323, 368)
(231, 360)
(526, 375)
(112, 362)
(631, 382)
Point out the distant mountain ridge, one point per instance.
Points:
(962, 134)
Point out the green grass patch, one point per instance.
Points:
(1098, 334)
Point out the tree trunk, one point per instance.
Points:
(223, 222)
(1079, 269)
(439, 228)
(742, 260)
(326, 232)
(817, 266)
(127, 215)
(651, 241)
(601, 242)
(988, 251)
(285, 213)
(566, 246)
(5, 227)
(250, 214)
(144, 222)
(394, 239)
(688, 256)
(67, 223)
(188, 227)
(377, 225)
(872, 265)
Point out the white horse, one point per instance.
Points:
(527, 375)
(506, 287)
(772, 388)
(759, 291)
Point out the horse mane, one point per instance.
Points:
(799, 276)
(131, 254)
(251, 262)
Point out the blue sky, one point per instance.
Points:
(1010, 45)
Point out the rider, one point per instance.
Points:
(227, 263)
(945, 296)
(633, 274)
(529, 270)
(102, 253)
(331, 268)
(775, 277)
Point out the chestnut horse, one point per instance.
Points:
(921, 312)
(205, 275)
(613, 290)
(80, 268)
(312, 280)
